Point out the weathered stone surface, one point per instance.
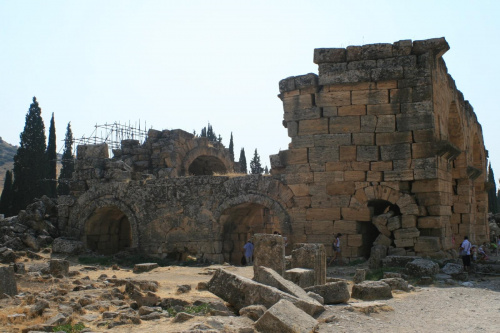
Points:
(146, 267)
(452, 269)
(241, 292)
(253, 312)
(332, 292)
(59, 267)
(377, 253)
(311, 256)
(397, 261)
(359, 276)
(8, 284)
(397, 283)
(422, 267)
(371, 290)
(285, 317)
(68, 246)
(269, 252)
(303, 277)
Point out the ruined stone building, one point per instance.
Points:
(384, 149)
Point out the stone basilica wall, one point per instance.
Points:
(384, 149)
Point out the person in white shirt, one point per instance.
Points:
(337, 254)
(465, 253)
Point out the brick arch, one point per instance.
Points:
(87, 205)
(220, 155)
(363, 196)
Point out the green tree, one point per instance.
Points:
(208, 132)
(68, 163)
(492, 192)
(255, 166)
(51, 155)
(231, 147)
(30, 160)
(243, 161)
(266, 170)
(6, 198)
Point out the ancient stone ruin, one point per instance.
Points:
(384, 149)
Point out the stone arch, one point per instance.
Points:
(241, 217)
(115, 216)
(206, 160)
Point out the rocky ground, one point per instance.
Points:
(103, 298)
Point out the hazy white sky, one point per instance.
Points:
(182, 64)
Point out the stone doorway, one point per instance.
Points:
(240, 223)
(207, 166)
(107, 231)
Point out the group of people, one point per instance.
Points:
(470, 252)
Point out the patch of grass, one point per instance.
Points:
(356, 262)
(93, 260)
(69, 328)
(202, 309)
(378, 273)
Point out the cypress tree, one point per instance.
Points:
(6, 198)
(51, 184)
(492, 192)
(266, 170)
(68, 163)
(231, 147)
(243, 161)
(30, 160)
(255, 166)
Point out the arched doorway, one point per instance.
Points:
(108, 231)
(207, 166)
(382, 211)
(240, 223)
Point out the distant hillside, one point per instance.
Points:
(7, 152)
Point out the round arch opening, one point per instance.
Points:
(207, 166)
(108, 231)
(240, 223)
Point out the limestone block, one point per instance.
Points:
(359, 276)
(269, 252)
(334, 98)
(332, 292)
(345, 76)
(352, 86)
(362, 64)
(241, 292)
(383, 139)
(361, 214)
(368, 52)
(397, 284)
(432, 222)
(347, 153)
(439, 210)
(398, 175)
(302, 114)
(323, 214)
(422, 267)
(346, 124)
(385, 123)
(313, 126)
(406, 233)
(61, 245)
(270, 278)
(395, 152)
(407, 242)
(370, 97)
(299, 189)
(305, 81)
(302, 277)
(352, 110)
(427, 244)
(328, 140)
(332, 55)
(400, 95)
(402, 47)
(414, 121)
(286, 317)
(371, 290)
(390, 84)
(299, 178)
(397, 261)
(408, 221)
(145, 267)
(396, 251)
(324, 154)
(382, 109)
(367, 153)
(293, 156)
(381, 166)
(339, 188)
(345, 227)
(431, 185)
(58, 267)
(423, 150)
(425, 135)
(8, 284)
(438, 45)
(368, 123)
(383, 240)
(356, 176)
(310, 256)
(355, 240)
(328, 177)
(363, 139)
(253, 312)
(298, 102)
(388, 73)
(374, 176)
(292, 128)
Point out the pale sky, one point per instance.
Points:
(182, 64)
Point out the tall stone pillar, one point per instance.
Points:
(269, 252)
(311, 256)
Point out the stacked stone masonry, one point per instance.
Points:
(384, 149)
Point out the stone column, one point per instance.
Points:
(311, 256)
(269, 252)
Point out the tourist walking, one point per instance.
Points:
(465, 253)
(337, 254)
(248, 252)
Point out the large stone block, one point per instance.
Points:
(367, 153)
(371, 290)
(269, 252)
(241, 292)
(8, 284)
(311, 256)
(428, 244)
(346, 124)
(323, 213)
(313, 126)
(285, 317)
(395, 152)
(332, 55)
(59, 267)
(339, 188)
(406, 233)
(334, 98)
(303, 277)
(332, 292)
(422, 267)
